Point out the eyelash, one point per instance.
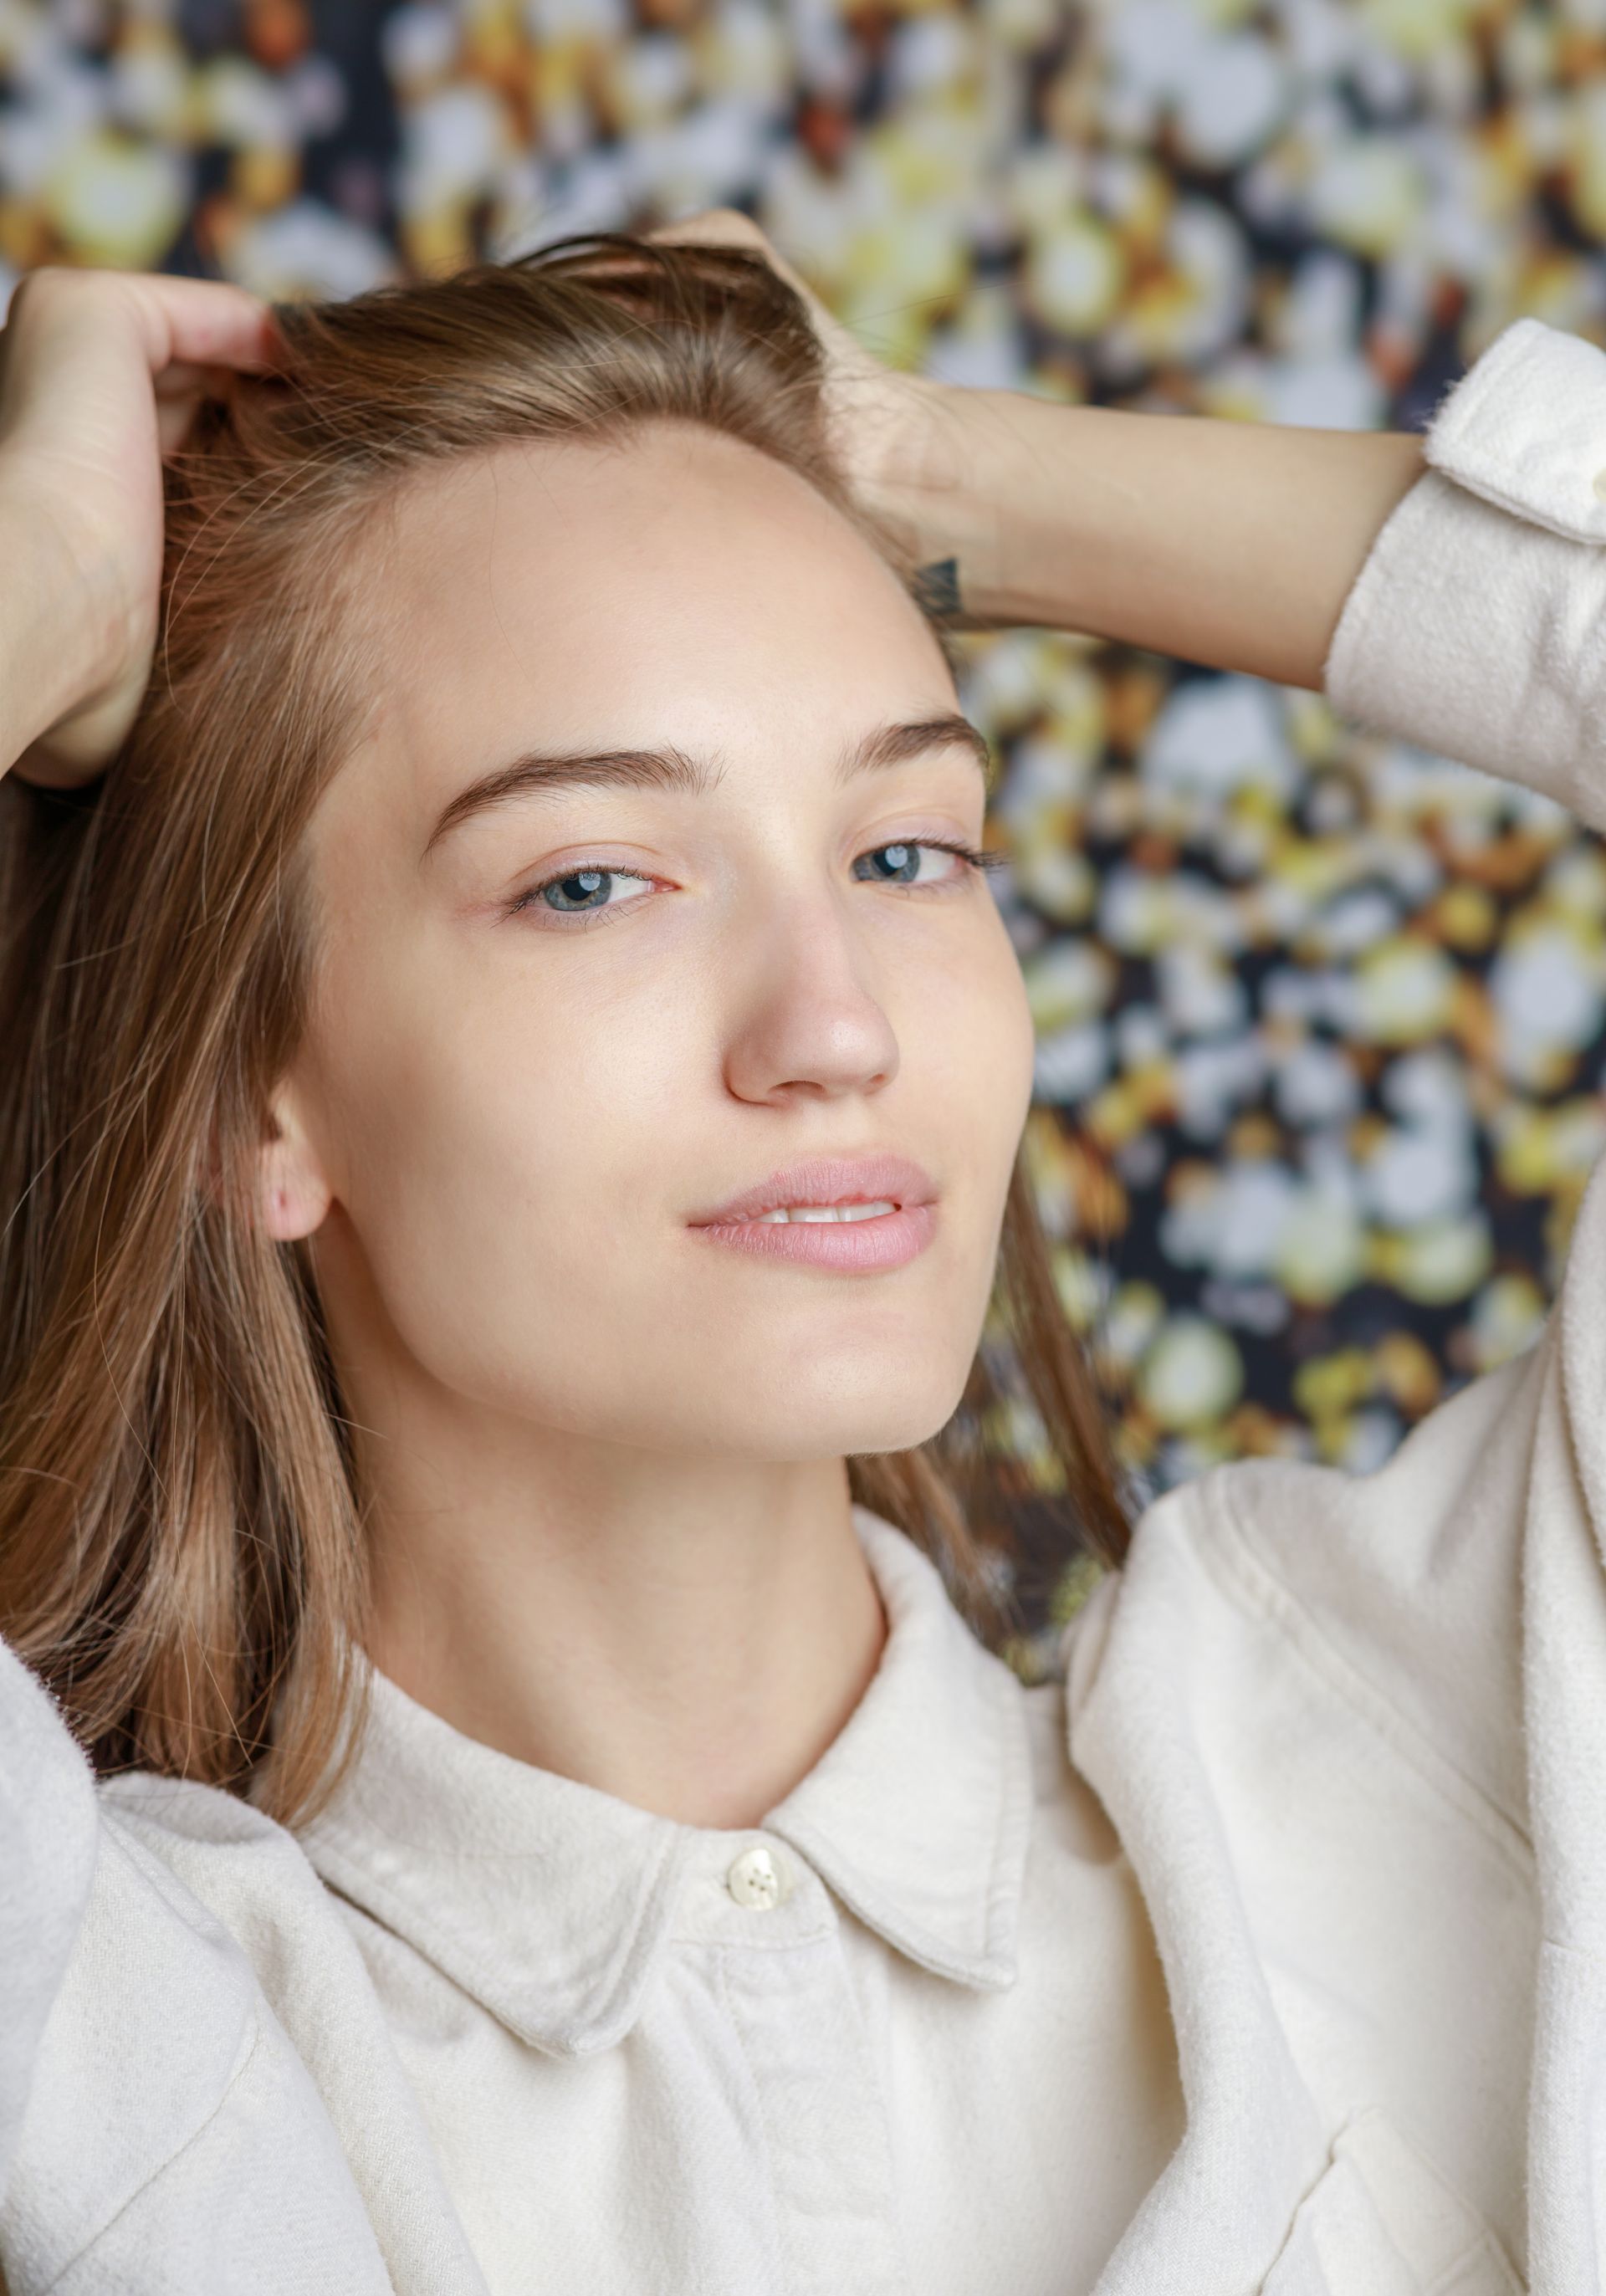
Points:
(580, 919)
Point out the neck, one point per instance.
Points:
(687, 1634)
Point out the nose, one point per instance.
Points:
(807, 1023)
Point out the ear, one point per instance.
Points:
(293, 1194)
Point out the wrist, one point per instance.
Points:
(950, 485)
(57, 629)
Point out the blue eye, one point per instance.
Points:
(575, 892)
(584, 894)
(903, 863)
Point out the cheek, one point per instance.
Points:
(1018, 1044)
(978, 1041)
(496, 1158)
(1012, 1026)
(513, 1160)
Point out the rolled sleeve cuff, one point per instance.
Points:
(1525, 429)
(1477, 625)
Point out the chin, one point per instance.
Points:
(895, 1416)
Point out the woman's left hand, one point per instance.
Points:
(897, 437)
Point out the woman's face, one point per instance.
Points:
(511, 1107)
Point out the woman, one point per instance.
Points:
(513, 1095)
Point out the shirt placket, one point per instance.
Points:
(821, 2133)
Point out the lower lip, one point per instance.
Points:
(856, 1247)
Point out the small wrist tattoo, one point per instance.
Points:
(936, 588)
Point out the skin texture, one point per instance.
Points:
(610, 1521)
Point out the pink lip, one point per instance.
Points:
(890, 1240)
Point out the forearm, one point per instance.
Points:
(50, 622)
(1231, 544)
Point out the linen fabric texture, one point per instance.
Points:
(1263, 1948)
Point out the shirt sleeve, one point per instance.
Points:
(49, 1828)
(1477, 625)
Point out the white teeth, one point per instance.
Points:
(825, 1212)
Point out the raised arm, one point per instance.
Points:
(1231, 544)
(1449, 590)
(38, 684)
(99, 374)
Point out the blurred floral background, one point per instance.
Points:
(1321, 1020)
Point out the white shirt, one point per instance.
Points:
(834, 2051)
(837, 2051)
(1333, 1750)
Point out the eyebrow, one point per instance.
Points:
(540, 773)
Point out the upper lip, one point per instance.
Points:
(828, 1180)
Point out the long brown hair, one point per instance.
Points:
(182, 1551)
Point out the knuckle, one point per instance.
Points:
(719, 222)
(37, 286)
(50, 286)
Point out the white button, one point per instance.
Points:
(754, 1879)
(1600, 485)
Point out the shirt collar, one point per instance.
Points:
(549, 1901)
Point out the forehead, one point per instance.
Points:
(676, 572)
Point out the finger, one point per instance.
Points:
(44, 772)
(724, 227)
(730, 227)
(174, 413)
(716, 224)
(56, 313)
(186, 380)
(59, 763)
(205, 322)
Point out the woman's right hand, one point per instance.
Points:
(100, 373)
